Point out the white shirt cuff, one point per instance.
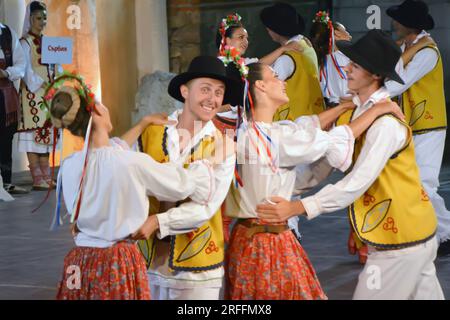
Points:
(312, 207)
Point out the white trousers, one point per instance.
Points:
(405, 274)
(429, 152)
(165, 293)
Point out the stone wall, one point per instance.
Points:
(184, 33)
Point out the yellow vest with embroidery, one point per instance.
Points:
(303, 87)
(424, 102)
(202, 249)
(395, 211)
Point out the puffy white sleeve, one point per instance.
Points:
(171, 182)
(191, 215)
(384, 138)
(301, 144)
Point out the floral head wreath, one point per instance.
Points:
(74, 85)
(232, 55)
(74, 80)
(230, 21)
(322, 17)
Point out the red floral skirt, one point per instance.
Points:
(114, 273)
(269, 266)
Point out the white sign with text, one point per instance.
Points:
(57, 50)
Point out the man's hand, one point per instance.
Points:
(278, 210)
(147, 229)
(3, 74)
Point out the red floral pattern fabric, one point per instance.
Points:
(114, 273)
(269, 267)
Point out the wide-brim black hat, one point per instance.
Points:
(412, 14)
(283, 19)
(204, 67)
(376, 52)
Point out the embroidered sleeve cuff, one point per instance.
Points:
(312, 207)
(163, 221)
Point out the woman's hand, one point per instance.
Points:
(346, 105)
(224, 108)
(424, 42)
(278, 210)
(387, 106)
(292, 46)
(158, 119)
(74, 230)
(147, 229)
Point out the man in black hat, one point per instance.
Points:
(186, 260)
(12, 68)
(383, 189)
(298, 69)
(423, 101)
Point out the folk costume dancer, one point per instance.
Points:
(185, 260)
(385, 204)
(104, 225)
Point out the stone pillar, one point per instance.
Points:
(151, 37)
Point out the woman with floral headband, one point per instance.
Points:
(232, 36)
(333, 81)
(106, 189)
(266, 261)
(36, 134)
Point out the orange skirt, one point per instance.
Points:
(269, 266)
(114, 273)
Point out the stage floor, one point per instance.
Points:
(31, 256)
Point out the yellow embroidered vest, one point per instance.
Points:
(424, 102)
(395, 211)
(303, 87)
(202, 249)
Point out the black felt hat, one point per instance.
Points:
(283, 19)
(203, 67)
(412, 14)
(376, 52)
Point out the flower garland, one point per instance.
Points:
(83, 89)
(227, 22)
(232, 55)
(322, 17)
